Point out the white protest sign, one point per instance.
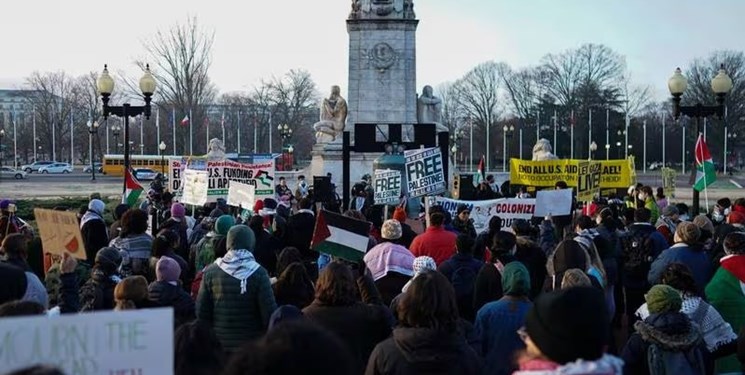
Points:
(259, 174)
(387, 186)
(112, 342)
(553, 202)
(424, 172)
(195, 187)
(241, 195)
(482, 211)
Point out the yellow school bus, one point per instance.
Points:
(113, 165)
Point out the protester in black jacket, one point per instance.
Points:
(488, 286)
(98, 292)
(485, 239)
(530, 254)
(461, 270)
(267, 246)
(301, 225)
(166, 291)
(93, 229)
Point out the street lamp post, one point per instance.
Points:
(162, 148)
(454, 151)
(92, 130)
(291, 150)
(730, 137)
(284, 133)
(106, 87)
(721, 85)
(607, 151)
(116, 129)
(593, 148)
(2, 151)
(508, 132)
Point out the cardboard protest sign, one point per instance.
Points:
(60, 232)
(241, 195)
(553, 202)
(546, 173)
(424, 172)
(588, 180)
(259, 174)
(195, 187)
(112, 342)
(482, 211)
(387, 186)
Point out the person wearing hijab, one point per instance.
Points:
(93, 228)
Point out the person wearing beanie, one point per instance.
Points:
(235, 296)
(93, 229)
(390, 264)
(167, 291)
(566, 332)
(436, 242)
(131, 294)
(684, 251)
(497, 322)
(667, 223)
(724, 292)
(461, 270)
(463, 222)
(407, 234)
(206, 246)
(666, 333)
(177, 223)
(98, 292)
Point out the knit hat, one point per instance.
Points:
(461, 208)
(736, 217)
(703, 222)
(167, 269)
(109, 256)
(240, 237)
(663, 298)
(569, 324)
(688, 232)
(669, 210)
(97, 206)
(216, 213)
(399, 214)
(391, 230)
(223, 224)
(515, 279)
(133, 288)
(178, 211)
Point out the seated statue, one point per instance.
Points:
(216, 149)
(542, 150)
(333, 117)
(429, 109)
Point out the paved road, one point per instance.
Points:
(60, 178)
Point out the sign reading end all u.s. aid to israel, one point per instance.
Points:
(613, 173)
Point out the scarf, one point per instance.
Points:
(89, 216)
(240, 264)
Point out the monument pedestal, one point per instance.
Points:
(328, 158)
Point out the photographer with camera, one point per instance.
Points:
(7, 224)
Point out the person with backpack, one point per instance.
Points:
(666, 342)
(461, 270)
(642, 244)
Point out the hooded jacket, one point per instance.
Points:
(670, 331)
(531, 255)
(694, 258)
(94, 232)
(423, 351)
(725, 293)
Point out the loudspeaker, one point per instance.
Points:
(463, 188)
(322, 190)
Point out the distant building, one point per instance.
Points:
(13, 103)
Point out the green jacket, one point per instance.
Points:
(725, 294)
(651, 205)
(236, 318)
(206, 251)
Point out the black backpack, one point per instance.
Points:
(636, 254)
(463, 280)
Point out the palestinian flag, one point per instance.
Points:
(340, 236)
(705, 172)
(133, 189)
(480, 175)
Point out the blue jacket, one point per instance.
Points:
(697, 261)
(496, 326)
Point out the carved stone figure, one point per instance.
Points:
(333, 117)
(543, 150)
(382, 9)
(216, 149)
(429, 109)
(409, 9)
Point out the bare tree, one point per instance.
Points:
(702, 70)
(452, 116)
(294, 99)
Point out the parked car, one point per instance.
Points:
(99, 168)
(145, 174)
(35, 166)
(56, 168)
(8, 172)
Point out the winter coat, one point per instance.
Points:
(651, 205)
(435, 242)
(360, 326)
(206, 250)
(605, 365)
(98, 292)
(671, 331)
(496, 325)
(531, 255)
(725, 293)
(464, 227)
(266, 251)
(448, 268)
(285, 293)
(423, 351)
(482, 244)
(138, 248)
(547, 237)
(166, 294)
(179, 227)
(95, 236)
(236, 318)
(488, 285)
(658, 244)
(696, 260)
(407, 235)
(301, 225)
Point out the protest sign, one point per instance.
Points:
(546, 173)
(387, 186)
(424, 172)
(220, 172)
(553, 202)
(60, 232)
(588, 180)
(115, 342)
(668, 180)
(195, 187)
(241, 195)
(482, 211)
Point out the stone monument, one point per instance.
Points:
(543, 151)
(216, 150)
(333, 118)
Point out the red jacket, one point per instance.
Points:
(435, 242)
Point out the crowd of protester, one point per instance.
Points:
(629, 286)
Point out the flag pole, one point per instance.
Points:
(191, 134)
(703, 167)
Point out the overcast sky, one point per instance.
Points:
(255, 39)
